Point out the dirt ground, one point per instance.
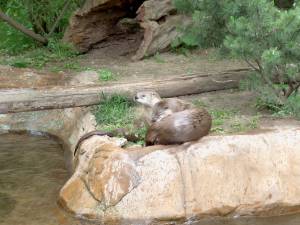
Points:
(233, 110)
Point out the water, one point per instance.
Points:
(32, 171)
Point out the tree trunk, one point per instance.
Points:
(20, 100)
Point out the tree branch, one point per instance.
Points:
(66, 4)
(22, 28)
(269, 82)
(251, 65)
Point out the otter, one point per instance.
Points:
(167, 107)
(173, 121)
(179, 127)
(147, 99)
(90, 134)
(156, 108)
(121, 132)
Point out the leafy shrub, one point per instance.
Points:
(256, 31)
(36, 15)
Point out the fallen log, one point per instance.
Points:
(22, 100)
(96, 21)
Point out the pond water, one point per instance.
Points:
(32, 171)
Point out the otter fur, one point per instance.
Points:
(90, 134)
(173, 121)
(167, 107)
(179, 127)
(156, 108)
(147, 99)
(121, 132)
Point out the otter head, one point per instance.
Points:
(160, 111)
(147, 98)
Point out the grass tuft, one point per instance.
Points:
(116, 112)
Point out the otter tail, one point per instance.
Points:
(90, 134)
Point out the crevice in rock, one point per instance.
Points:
(89, 190)
(184, 193)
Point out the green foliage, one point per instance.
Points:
(209, 18)
(106, 75)
(259, 33)
(219, 116)
(56, 51)
(114, 111)
(36, 15)
(43, 14)
(230, 121)
(118, 112)
(158, 58)
(289, 109)
(268, 39)
(11, 40)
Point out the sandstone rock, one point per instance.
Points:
(229, 176)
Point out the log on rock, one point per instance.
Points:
(20, 100)
(220, 177)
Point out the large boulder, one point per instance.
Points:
(229, 176)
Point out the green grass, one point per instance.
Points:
(39, 57)
(158, 58)
(199, 103)
(243, 126)
(229, 120)
(267, 99)
(219, 117)
(290, 109)
(106, 75)
(117, 112)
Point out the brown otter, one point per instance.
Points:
(173, 121)
(147, 99)
(179, 127)
(166, 107)
(90, 134)
(121, 132)
(156, 108)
